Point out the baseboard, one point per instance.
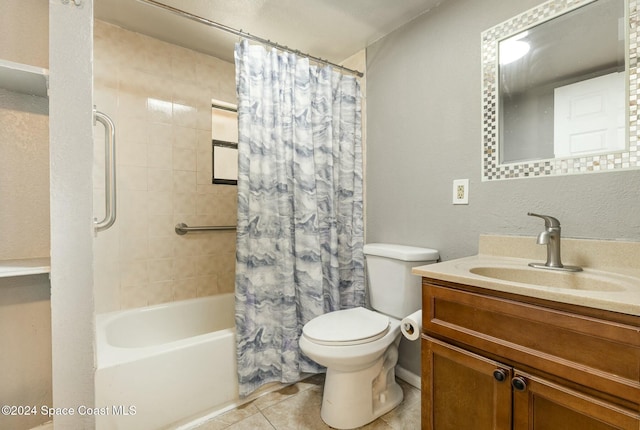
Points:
(408, 377)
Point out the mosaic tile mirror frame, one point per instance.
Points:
(492, 168)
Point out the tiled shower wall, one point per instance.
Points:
(159, 96)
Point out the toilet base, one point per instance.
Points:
(353, 399)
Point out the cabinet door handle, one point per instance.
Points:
(519, 383)
(500, 375)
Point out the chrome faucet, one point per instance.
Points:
(551, 237)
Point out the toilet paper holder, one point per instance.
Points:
(411, 326)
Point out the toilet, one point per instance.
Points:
(359, 347)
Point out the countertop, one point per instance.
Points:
(623, 295)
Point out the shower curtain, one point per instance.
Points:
(300, 221)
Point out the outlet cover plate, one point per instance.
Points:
(460, 191)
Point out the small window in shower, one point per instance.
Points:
(224, 134)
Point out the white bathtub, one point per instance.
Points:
(160, 365)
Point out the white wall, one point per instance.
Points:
(25, 348)
(25, 28)
(424, 131)
(25, 315)
(24, 176)
(71, 128)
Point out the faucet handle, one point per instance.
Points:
(549, 221)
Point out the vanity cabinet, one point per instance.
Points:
(459, 390)
(494, 360)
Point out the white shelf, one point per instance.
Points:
(25, 79)
(24, 267)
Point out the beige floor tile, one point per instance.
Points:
(377, 425)
(405, 417)
(298, 412)
(228, 418)
(254, 422)
(297, 407)
(274, 397)
(213, 425)
(277, 396)
(411, 393)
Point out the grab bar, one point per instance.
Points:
(182, 228)
(110, 171)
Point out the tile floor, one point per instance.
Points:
(297, 407)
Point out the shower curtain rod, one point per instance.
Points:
(241, 33)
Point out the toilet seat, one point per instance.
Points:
(347, 327)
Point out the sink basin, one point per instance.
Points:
(585, 281)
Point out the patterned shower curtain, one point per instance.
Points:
(300, 221)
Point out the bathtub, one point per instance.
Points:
(160, 365)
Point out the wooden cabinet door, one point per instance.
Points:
(461, 391)
(542, 405)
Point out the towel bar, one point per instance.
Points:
(182, 228)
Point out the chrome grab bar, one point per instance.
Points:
(182, 228)
(110, 171)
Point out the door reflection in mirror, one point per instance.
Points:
(562, 85)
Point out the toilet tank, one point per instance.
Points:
(393, 290)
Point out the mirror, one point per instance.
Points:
(555, 93)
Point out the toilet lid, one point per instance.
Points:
(347, 327)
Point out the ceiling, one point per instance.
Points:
(330, 29)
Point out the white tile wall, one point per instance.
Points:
(24, 176)
(159, 96)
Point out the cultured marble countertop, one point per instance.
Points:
(613, 266)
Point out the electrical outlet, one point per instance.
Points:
(460, 191)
